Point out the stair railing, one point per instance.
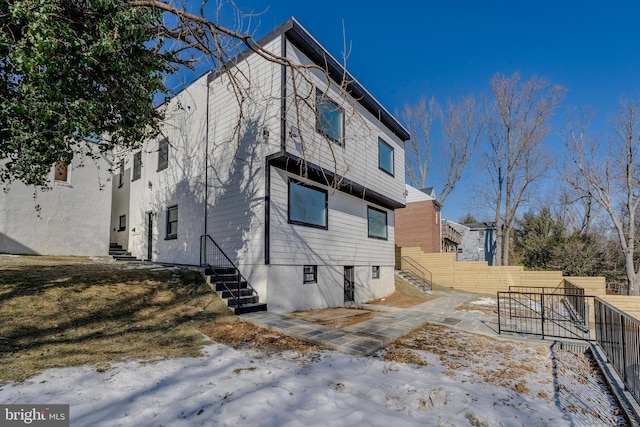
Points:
(212, 256)
(416, 270)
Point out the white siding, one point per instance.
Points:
(346, 240)
(73, 220)
(357, 160)
(237, 150)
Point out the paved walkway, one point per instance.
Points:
(367, 337)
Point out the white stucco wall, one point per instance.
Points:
(74, 217)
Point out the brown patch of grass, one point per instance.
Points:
(241, 335)
(464, 352)
(405, 295)
(485, 309)
(339, 317)
(69, 311)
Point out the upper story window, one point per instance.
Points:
(163, 154)
(330, 118)
(61, 172)
(307, 205)
(137, 166)
(121, 174)
(385, 157)
(377, 223)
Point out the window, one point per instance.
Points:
(121, 174)
(122, 223)
(385, 157)
(310, 274)
(375, 272)
(61, 172)
(377, 223)
(172, 222)
(163, 154)
(330, 118)
(137, 166)
(307, 205)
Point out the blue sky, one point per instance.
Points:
(403, 50)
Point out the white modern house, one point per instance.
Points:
(300, 196)
(287, 175)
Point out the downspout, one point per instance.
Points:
(206, 162)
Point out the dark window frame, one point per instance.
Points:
(121, 174)
(326, 205)
(375, 271)
(309, 276)
(381, 143)
(386, 220)
(136, 173)
(163, 154)
(321, 99)
(122, 223)
(169, 235)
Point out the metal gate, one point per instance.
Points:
(561, 312)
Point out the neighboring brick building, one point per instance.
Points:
(419, 223)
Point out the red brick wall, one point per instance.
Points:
(415, 225)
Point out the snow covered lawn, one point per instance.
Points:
(228, 387)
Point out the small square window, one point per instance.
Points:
(310, 274)
(172, 222)
(61, 173)
(375, 272)
(122, 223)
(330, 118)
(163, 154)
(385, 157)
(137, 166)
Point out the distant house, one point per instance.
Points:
(72, 218)
(419, 223)
(478, 241)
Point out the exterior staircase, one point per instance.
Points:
(411, 271)
(120, 254)
(229, 284)
(226, 280)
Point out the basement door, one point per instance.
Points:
(349, 285)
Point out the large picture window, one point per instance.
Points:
(330, 118)
(307, 205)
(385, 157)
(377, 223)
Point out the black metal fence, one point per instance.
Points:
(417, 271)
(618, 334)
(561, 312)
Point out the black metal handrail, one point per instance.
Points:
(213, 257)
(414, 268)
(618, 334)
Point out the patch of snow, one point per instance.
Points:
(484, 301)
(227, 387)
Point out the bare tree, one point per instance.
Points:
(610, 172)
(516, 123)
(460, 128)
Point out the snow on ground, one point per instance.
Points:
(227, 387)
